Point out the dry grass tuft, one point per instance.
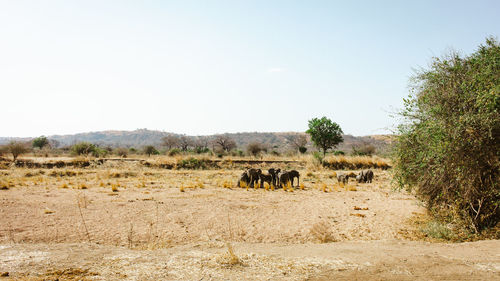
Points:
(229, 258)
(321, 231)
(114, 188)
(48, 211)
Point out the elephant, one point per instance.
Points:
(368, 176)
(254, 176)
(244, 178)
(265, 178)
(294, 174)
(274, 173)
(343, 178)
(365, 176)
(284, 178)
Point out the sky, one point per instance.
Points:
(208, 67)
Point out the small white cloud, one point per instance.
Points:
(275, 69)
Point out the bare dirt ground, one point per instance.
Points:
(69, 224)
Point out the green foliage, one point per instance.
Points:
(149, 149)
(448, 148)
(324, 133)
(173, 152)
(318, 157)
(132, 150)
(338, 152)
(83, 148)
(191, 163)
(99, 152)
(302, 149)
(438, 230)
(40, 142)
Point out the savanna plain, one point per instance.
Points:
(153, 219)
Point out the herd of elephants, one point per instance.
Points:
(278, 178)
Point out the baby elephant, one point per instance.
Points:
(365, 176)
(343, 178)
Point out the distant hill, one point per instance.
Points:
(142, 137)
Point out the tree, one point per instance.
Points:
(170, 141)
(185, 142)
(448, 146)
(149, 149)
(297, 140)
(324, 133)
(40, 142)
(17, 148)
(224, 142)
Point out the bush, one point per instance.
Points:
(173, 152)
(191, 163)
(302, 149)
(122, 152)
(254, 148)
(99, 152)
(83, 148)
(338, 152)
(363, 150)
(318, 157)
(151, 150)
(448, 148)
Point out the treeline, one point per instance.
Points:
(171, 145)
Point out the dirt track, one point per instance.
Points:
(357, 260)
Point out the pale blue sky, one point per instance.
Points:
(205, 67)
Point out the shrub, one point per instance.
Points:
(83, 148)
(149, 149)
(338, 152)
(363, 150)
(191, 163)
(448, 147)
(132, 150)
(99, 152)
(122, 152)
(174, 151)
(302, 149)
(254, 148)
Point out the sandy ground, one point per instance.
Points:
(360, 260)
(74, 226)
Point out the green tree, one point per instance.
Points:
(324, 133)
(40, 142)
(448, 146)
(150, 150)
